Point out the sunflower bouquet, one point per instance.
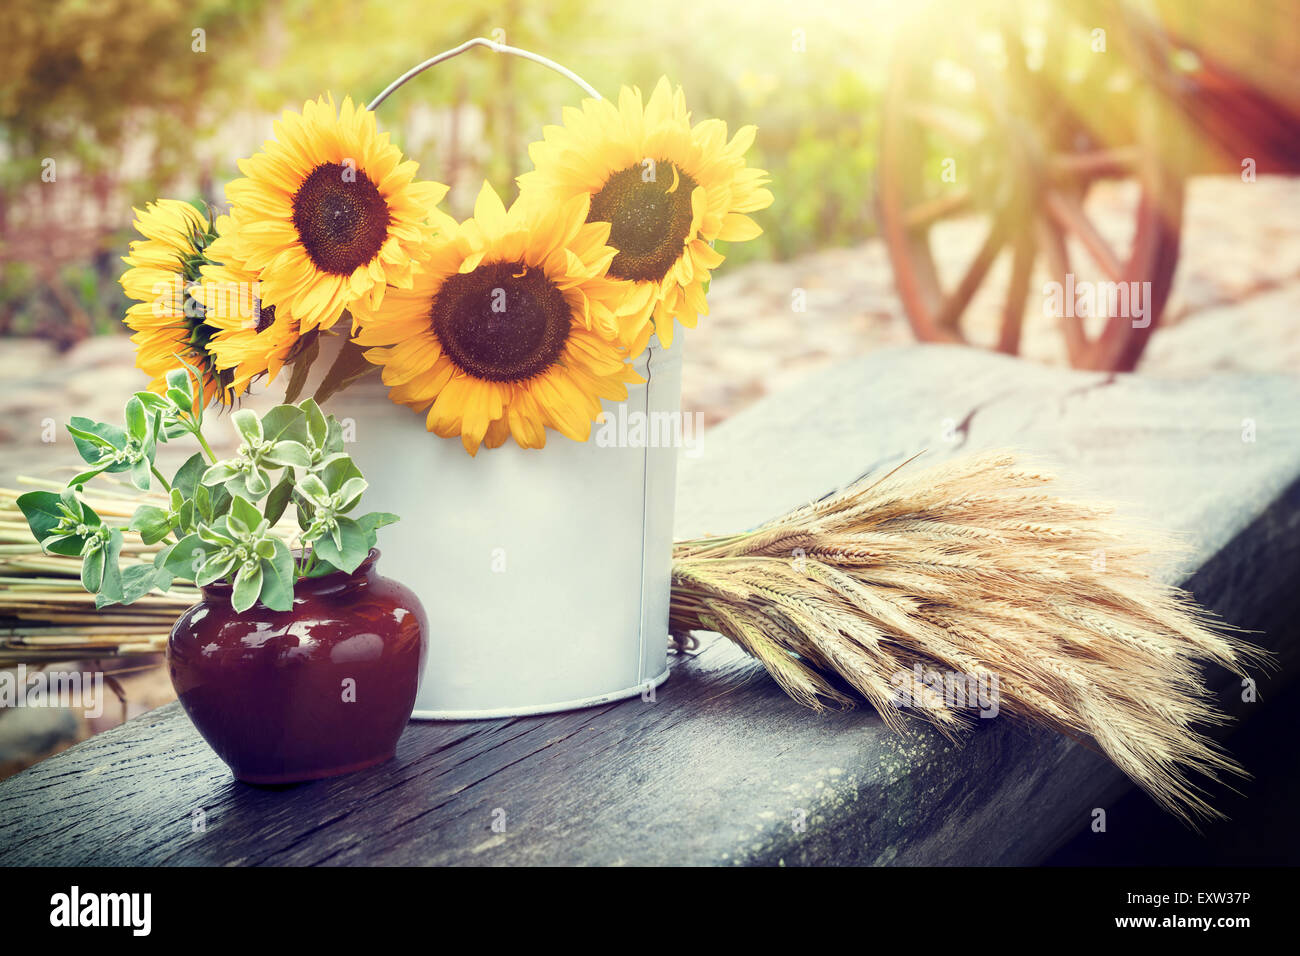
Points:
(517, 320)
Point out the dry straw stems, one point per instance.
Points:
(46, 616)
(975, 568)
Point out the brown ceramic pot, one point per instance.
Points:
(320, 690)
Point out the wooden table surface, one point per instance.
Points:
(720, 767)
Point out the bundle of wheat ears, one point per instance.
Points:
(970, 568)
(974, 568)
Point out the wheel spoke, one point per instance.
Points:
(1068, 213)
(956, 303)
(925, 214)
(1013, 311)
(1058, 264)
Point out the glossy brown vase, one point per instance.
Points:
(320, 690)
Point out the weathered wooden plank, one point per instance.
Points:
(721, 767)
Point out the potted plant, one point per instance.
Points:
(300, 661)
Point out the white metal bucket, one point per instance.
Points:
(545, 573)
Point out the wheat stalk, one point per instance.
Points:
(975, 569)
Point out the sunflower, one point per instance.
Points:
(511, 327)
(250, 337)
(167, 320)
(667, 189)
(328, 213)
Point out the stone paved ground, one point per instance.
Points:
(1236, 307)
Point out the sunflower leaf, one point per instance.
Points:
(308, 349)
(350, 365)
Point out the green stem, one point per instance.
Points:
(204, 442)
(157, 474)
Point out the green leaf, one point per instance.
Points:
(277, 579)
(247, 424)
(186, 480)
(140, 474)
(350, 493)
(248, 585)
(338, 471)
(92, 437)
(284, 423)
(287, 453)
(220, 502)
(153, 402)
(214, 569)
(317, 428)
(306, 512)
(138, 580)
(351, 549)
(313, 490)
(151, 523)
(178, 379)
(162, 577)
(185, 522)
(194, 380)
(245, 512)
(334, 436)
(278, 499)
(41, 509)
(187, 556)
(110, 587)
(254, 484)
(76, 481)
(203, 503)
(374, 520)
(137, 422)
(218, 533)
(220, 473)
(92, 568)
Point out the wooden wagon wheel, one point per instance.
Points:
(1026, 130)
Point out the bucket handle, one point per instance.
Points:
(495, 47)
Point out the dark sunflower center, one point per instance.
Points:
(341, 218)
(503, 322)
(265, 318)
(648, 218)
